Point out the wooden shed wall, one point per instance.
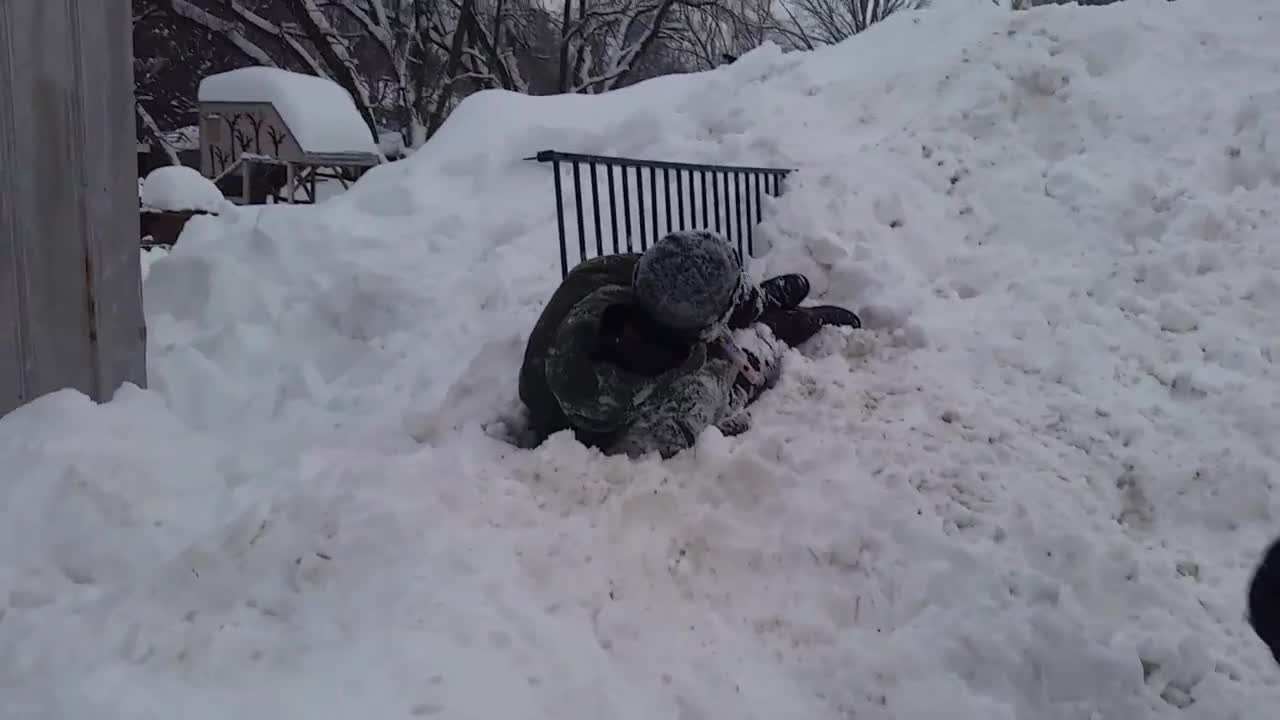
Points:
(228, 130)
(70, 283)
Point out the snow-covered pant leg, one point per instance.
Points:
(797, 325)
(766, 348)
(784, 292)
(779, 304)
(676, 414)
(673, 417)
(793, 326)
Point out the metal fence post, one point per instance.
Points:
(742, 203)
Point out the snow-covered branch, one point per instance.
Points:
(277, 31)
(231, 31)
(609, 41)
(333, 49)
(155, 134)
(832, 21)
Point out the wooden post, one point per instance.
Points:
(246, 182)
(70, 281)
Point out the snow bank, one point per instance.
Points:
(1032, 488)
(319, 112)
(150, 255)
(178, 187)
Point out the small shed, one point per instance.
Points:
(264, 129)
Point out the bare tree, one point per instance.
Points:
(169, 54)
(294, 34)
(407, 63)
(229, 29)
(811, 22)
(707, 35)
(604, 43)
(334, 50)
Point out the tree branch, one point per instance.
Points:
(231, 31)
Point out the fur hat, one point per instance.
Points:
(690, 281)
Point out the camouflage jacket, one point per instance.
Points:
(565, 381)
(594, 363)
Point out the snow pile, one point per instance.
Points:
(319, 112)
(391, 144)
(176, 188)
(150, 255)
(1032, 488)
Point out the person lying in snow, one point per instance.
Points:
(634, 352)
(1264, 600)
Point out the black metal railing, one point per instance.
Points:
(731, 201)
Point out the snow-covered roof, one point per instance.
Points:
(319, 112)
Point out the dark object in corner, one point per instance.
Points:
(1264, 600)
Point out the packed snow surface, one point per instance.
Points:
(149, 257)
(319, 112)
(178, 188)
(1033, 487)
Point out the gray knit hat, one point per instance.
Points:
(689, 281)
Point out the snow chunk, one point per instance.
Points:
(392, 145)
(319, 112)
(1176, 317)
(149, 258)
(176, 188)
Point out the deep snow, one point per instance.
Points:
(1032, 489)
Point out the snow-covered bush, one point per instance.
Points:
(177, 188)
